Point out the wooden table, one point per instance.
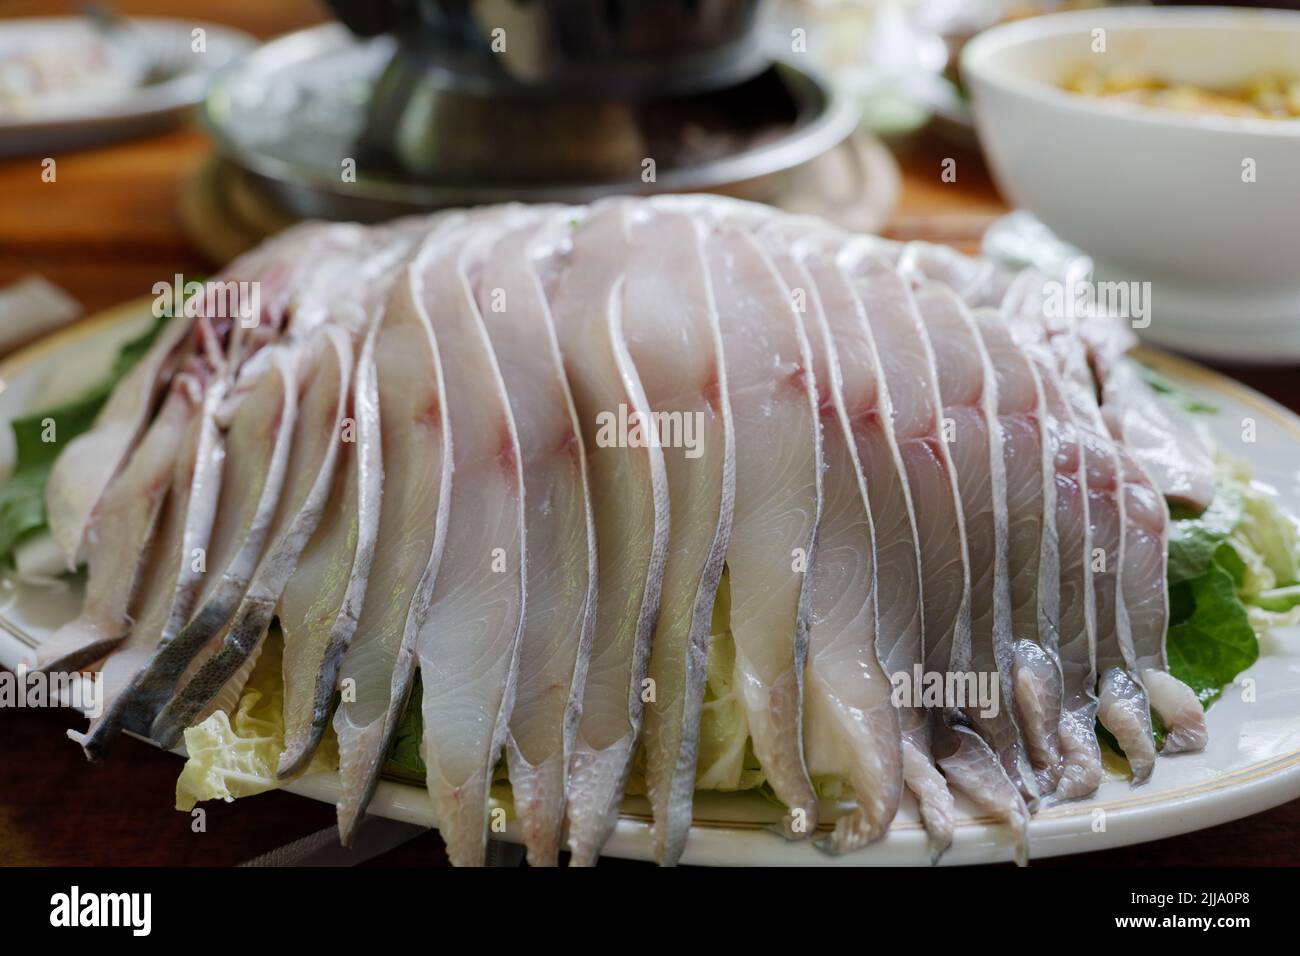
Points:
(106, 230)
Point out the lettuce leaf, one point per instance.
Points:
(726, 758)
(236, 755)
(1175, 394)
(404, 759)
(1232, 573)
(1211, 639)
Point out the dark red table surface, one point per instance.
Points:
(106, 231)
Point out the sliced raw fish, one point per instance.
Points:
(908, 364)
(560, 613)
(118, 536)
(159, 610)
(467, 643)
(324, 376)
(1122, 705)
(1146, 606)
(317, 629)
(1075, 624)
(1163, 443)
(778, 500)
(975, 280)
(322, 601)
(180, 546)
(412, 465)
(84, 469)
(968, 389)
(852, 726)
(899, 637)
(1033, 559)
(629, 490)
(261, 413)
(685, 385)
(468, 639)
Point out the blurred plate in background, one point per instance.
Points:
(72, 82)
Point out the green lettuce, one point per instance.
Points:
(1232, 573)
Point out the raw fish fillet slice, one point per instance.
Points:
(686, 385)
(967, 388)
(560, 613)
(411, 462)
(157, 609)
(1076, 624)
(85, 468)
(846, 362)
(346, 279)
(910, 378)
(1160, 439)
(973, 768)
(852, 727)
(1180, 710)
(899, 641)
(1122, 705)
(317, 628)
(187, 530)
(324, 376)
(468, 639)
(322, 600)
(1146, 605)
(976, 280)
(260, 414)
(778, 500)
(118, 537)
(629, 495)
(1033, 558)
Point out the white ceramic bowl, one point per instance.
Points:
(1154, 195)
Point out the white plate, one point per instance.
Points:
(1252, 763)
(138, 109)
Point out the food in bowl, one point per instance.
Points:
(1202, 206)
(1269, 96)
